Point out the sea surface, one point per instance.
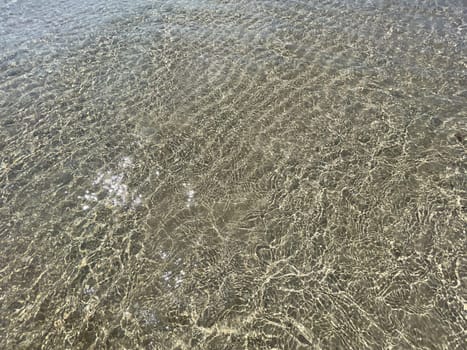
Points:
(220, 174)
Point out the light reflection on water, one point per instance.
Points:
(232, 174)
(116, 192)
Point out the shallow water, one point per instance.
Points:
(233, 174)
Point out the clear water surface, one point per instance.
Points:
(217, 174)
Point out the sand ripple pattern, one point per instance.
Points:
(237, 175)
